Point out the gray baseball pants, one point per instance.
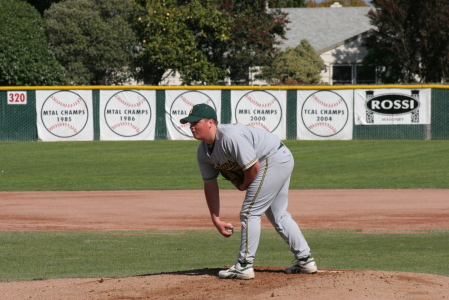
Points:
(268, 194)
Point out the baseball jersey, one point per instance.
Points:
(236, 148)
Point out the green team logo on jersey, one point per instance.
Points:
(229, 165)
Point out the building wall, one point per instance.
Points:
(349, 53)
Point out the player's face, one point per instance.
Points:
(200, 129)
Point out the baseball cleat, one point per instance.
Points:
(238, 271)
(303, 265)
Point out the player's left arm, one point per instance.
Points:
(250, 176)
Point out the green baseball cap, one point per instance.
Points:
(198, 112)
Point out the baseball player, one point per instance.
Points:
(266, 165)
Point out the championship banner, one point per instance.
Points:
(261, 109)
(64, 115)
(178, 104)
(324, 115)
(127, 115)
(392, 106)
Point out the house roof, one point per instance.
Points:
(324, 27)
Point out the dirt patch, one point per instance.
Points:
(373, 211)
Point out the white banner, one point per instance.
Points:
(127, 115)
(64, 115)
(178, 104)
(392, 106)
(324, 115)
(261, 109)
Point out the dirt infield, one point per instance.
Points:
(373, 211)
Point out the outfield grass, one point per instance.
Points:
(44, 255)
(168, 165)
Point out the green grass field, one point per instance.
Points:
(166, 165)
(169, 165)
(43, 255)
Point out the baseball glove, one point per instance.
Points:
(233, 176)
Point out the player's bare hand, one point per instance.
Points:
(226, 229)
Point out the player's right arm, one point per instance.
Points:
(212, 194)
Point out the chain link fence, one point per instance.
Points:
(18, 122)
(440, 114)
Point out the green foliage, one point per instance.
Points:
(302, 65)
(136, 165)
(206, 41)
(286, 3)
(42, 5)
(45, 255)
(24, 56)
(187, 37)
(411, 43)
(256, 34)
(92, 39)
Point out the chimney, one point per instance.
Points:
(336, 5)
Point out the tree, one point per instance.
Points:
(184, 36)
(286, 3)
(412, 41)
(42, 5)
(24, 56)
(206, 41)
(344, 3)
(255, 35)
(300, 65)
(92, 39)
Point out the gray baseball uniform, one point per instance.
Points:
(238, 147)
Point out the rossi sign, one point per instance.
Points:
(392, 107)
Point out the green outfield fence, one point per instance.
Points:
(18, 122)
